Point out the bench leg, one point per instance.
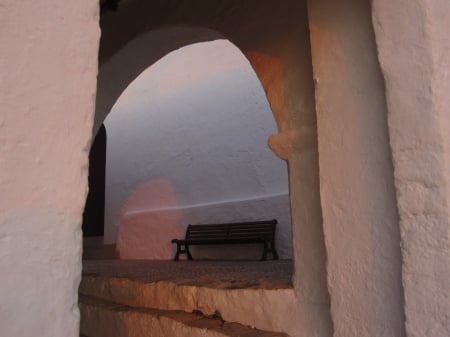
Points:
(275, 254)
(188, 253)
(182, 251)
(269, 247)
(274, 251)
(264, 256)
(177, 255)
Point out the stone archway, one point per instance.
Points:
(140, 53)
(276, 43)
(188, 144)
(354, 56)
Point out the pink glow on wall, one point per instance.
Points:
(149, 219)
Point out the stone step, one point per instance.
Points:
(101, 318)
(265, 309)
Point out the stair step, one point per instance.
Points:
(256, 294)
(101, 318)
(270, 309)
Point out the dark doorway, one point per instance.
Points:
(94, 211)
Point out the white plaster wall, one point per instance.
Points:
(275, 39)
(356, 174)
(187, 143)
(47, 85)
(46, 89)
(414, 48)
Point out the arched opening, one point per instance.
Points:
(276, 43)
(93, 215)
(188, 144)
(138, 54)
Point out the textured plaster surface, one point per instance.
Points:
(415, 59)
(120, 320)
(48, 67)
(266, 309)
(356, 180)
(189, 145)
(275, 39)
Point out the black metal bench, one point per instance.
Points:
(229, 233)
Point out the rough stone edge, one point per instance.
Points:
(273, 310)
(94, 310)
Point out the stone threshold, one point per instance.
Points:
(101, 318)
(252, 293)
(265, 309)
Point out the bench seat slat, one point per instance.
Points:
(250, 223)
(224, 236)
(221, 241)
(243, 237)
(209, 232)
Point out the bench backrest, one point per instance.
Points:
(237, 230)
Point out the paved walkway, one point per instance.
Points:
(275, 274)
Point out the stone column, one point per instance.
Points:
(48, 68)
(356, 176)
(414, 51)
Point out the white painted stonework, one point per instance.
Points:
(356, 178)
(48, 66)
(187, 143)
(417, 79)
(359, 93)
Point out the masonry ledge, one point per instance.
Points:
(273, 309)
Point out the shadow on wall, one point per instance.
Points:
(188, 144)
